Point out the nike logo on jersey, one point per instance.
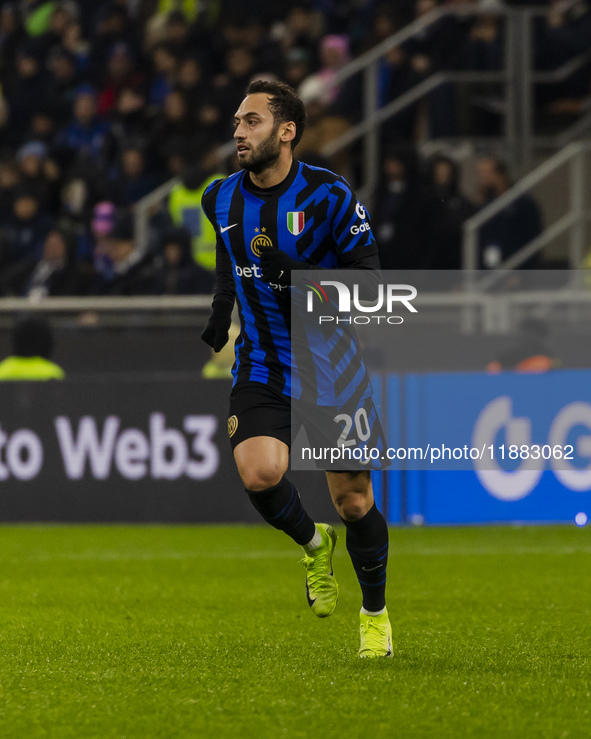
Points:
(223, 229)
(371, 569)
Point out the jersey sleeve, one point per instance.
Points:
(208, 202)
(351, 229)
(225, 287)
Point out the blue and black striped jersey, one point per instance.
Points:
(316, 219)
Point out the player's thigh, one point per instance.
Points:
(351, 493)
(259, 427)
(261, 461)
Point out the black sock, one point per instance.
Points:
(367, 544)
(282, 507)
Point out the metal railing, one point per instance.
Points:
(574, 156)
(472, 309)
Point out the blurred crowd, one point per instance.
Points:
(104, 100)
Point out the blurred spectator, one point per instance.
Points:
(173, 128)
(407, 221)
(121, 74)
(131, 180)
(445, 187)
(128, 262)
(175, 272)
(43, 126)
(82, 187)
(130, 123)
(12, 37)
(165, 63)
(184, 206)
(297, 66)
(230, 85)
(57, 273)
(32, 349)
(73, 41)
(62, 14)
(191, 82)
(27, 93)
(92, 245)
(511, 229)
(37, 16)
(112, 26)
(322, 126)
(25, 228)
(436, 48)
(63, 84)
(529, 352)
(564, 34)
(85, 135)
(39, 173)
(212, 128)
(301, 29)
(334, 54)
(176, 31)
(9, 179)
(484, 51)
(188, 9)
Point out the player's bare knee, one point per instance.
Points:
(352, 507)
(261, 478)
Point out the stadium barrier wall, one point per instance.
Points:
(157, 451)
(551, 410)
(125, 451)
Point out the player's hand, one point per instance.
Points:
(276, 266)
(216, 333)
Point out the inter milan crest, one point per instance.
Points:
(261, 239)
(232, 425)
(295, 222)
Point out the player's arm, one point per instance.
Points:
(216, 332)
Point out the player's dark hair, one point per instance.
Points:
(284, 103)
(32, 337)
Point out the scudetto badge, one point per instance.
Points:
(295, 222)
(232, 425)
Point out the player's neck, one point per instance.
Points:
(274, 174)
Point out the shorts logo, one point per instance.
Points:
(295, 222)
(232, 425)
(258, 241)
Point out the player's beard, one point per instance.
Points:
(264, 156)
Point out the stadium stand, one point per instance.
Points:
(103, 102)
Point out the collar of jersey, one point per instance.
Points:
(285, 185)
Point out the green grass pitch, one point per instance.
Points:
(113, 632)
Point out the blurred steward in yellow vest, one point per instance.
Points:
(32, 345)
(184, 206)
(220, 365)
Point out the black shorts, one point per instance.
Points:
(258, 410)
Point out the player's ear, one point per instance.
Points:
(289, 132)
